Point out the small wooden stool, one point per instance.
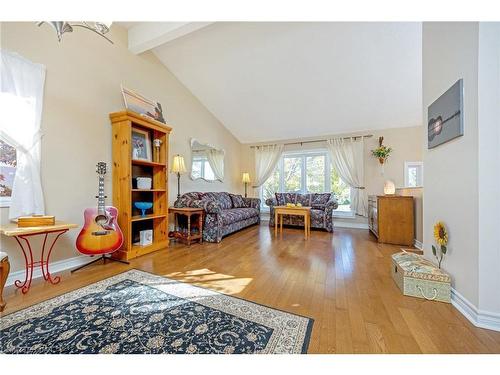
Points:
(4, 273)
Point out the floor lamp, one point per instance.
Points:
(246, 181)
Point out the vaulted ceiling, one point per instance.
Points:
(271, 81)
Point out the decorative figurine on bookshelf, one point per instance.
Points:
(144, 183)
(157, 143)
(145, 237)
(143, 206)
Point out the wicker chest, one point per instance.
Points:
(418, 277)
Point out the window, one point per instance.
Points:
(315, 173)
(307, 172)
(8, 163)
(292, 169)
(414, 174)
(200, 168)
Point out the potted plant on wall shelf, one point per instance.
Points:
(381, 152)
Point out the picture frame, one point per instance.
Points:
(141, 145)
(145, 107)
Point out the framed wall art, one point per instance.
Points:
(445, 116)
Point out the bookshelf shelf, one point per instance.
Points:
(148, 163)
(150, 190)
(147, 217)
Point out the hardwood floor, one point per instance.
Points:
(342, 281)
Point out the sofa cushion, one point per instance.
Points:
(284, 198)
(304, 199)
(222, 198)
(319, 200)
(237, 200)
(237, 214)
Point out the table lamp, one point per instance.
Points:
(389, 188)
(246, 181)
(178, 167)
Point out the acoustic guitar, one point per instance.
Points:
(435, 125)
(100, 233)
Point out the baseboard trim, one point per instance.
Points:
(344, 224)
(479, 318)
(419, 245)
(55, 267)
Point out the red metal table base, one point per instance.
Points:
(43, 263)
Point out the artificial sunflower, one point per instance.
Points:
(440, 233)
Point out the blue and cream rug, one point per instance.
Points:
(138, 312)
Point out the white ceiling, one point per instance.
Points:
(271, 81)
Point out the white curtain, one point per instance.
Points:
(21, 100)
(216, 161)
(347, 159)
(266, 158)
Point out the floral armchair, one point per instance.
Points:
(322, 206)
(224, 213)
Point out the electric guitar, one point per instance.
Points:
(100, 233)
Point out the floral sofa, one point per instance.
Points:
(322, 206)
(224, 213)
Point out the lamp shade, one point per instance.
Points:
(245, 178)
(178, 165)
(389, 188)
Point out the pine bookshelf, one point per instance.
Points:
(125, 191)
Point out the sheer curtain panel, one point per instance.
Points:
(216, 160)
(21, 101)
(266, 158)
(347, 159)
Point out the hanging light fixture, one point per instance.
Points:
(61, 27)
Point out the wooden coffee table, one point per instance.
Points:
(279, 211)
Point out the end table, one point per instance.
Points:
(187, 236)
(25, 234)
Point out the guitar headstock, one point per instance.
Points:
(101, 168)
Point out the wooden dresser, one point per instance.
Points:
(390, 219)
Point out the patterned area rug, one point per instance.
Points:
(138, 312)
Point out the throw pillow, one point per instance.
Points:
(280, 198)
(238, 201)
(319, 200)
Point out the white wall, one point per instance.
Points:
(462, 176)
(82, 87)
(489, 166)
(450, 173)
